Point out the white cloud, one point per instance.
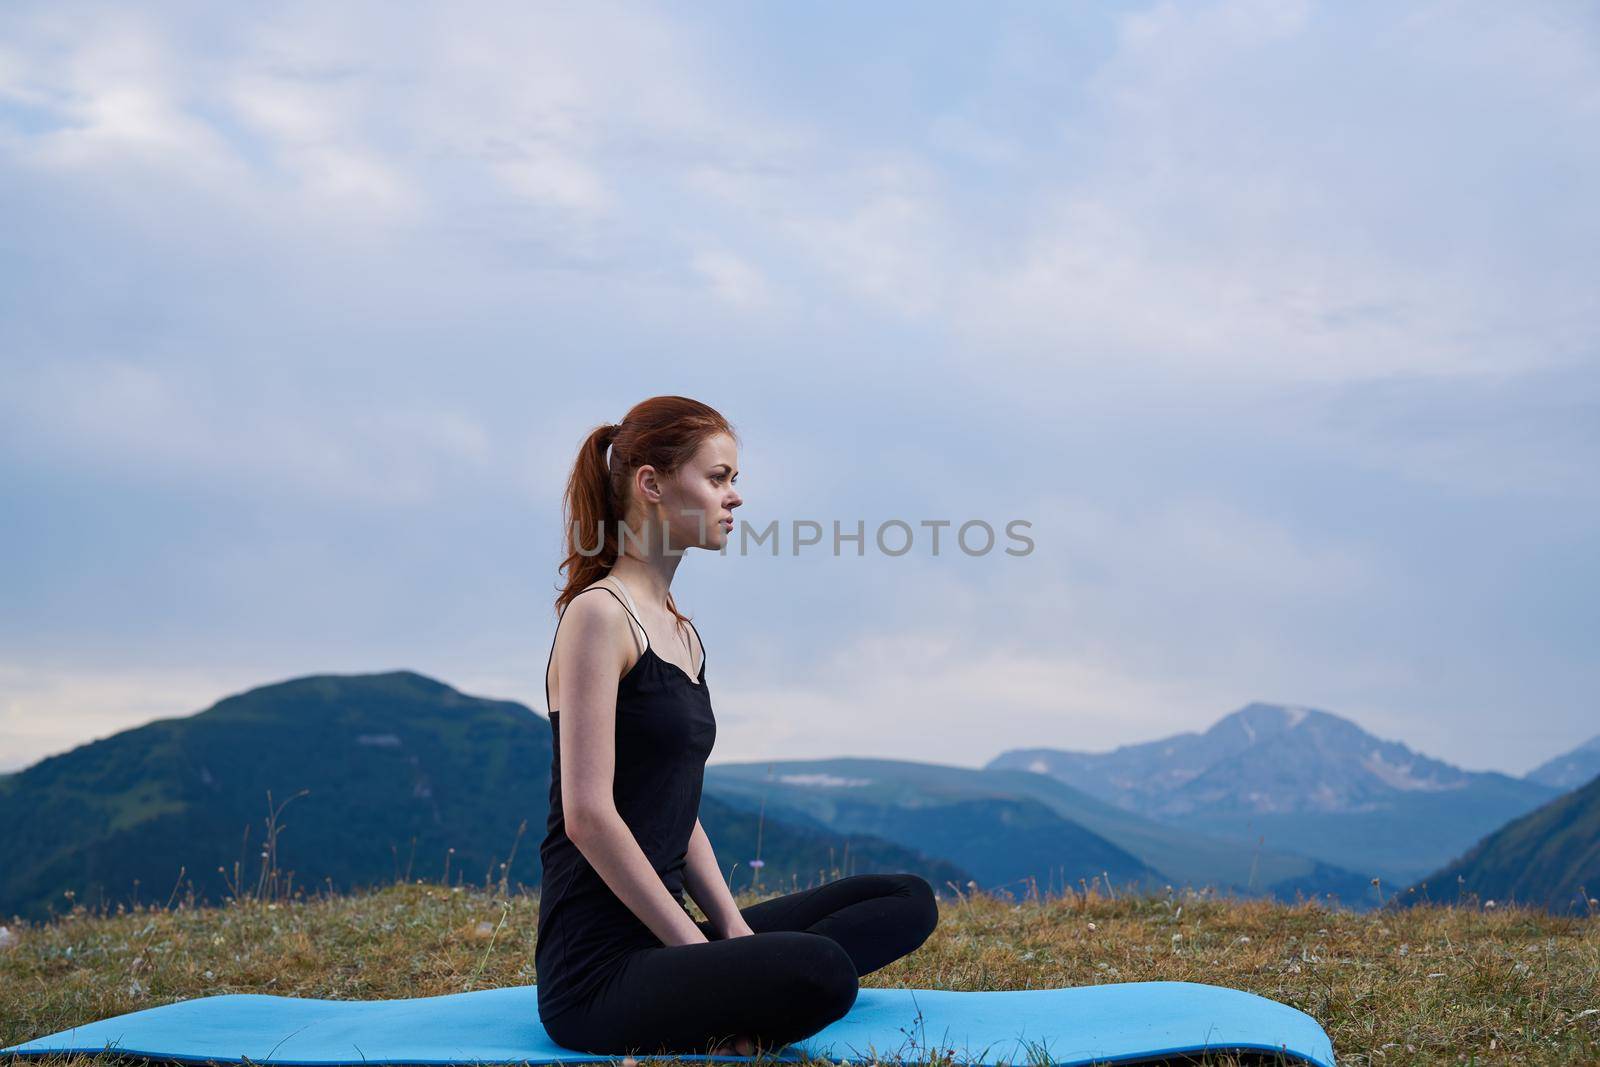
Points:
(733, 279)
(552, 178)
(315, 131)
(108, 89)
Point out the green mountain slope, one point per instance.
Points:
(1549, 857)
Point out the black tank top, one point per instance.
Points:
(664, 732)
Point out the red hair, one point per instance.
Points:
(663, 432)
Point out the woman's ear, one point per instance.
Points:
(646, 485)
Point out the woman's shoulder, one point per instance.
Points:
(596, 606)
(591, 620)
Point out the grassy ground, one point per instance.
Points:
(1424, 986)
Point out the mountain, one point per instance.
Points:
(398, 769)
(1571, 770)
(1141, 777)
(1304, 780)
(990, 821)
(1262, 758)
(1549, 857)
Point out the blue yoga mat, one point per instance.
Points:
(1080, 1025)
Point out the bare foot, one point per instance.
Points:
(740, 1045)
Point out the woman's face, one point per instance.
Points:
(697, 502)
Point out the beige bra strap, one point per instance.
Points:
(633, 610)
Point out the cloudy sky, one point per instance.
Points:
(1277, 321)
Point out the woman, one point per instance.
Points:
(622, 965)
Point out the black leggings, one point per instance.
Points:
(793, 977)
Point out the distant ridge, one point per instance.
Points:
(1303, 779)
(1263, 758)
(1571, 769)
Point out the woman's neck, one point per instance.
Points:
(648, 577)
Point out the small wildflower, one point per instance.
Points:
(7, 938)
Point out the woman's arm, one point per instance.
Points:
(614, 852)
(705, 883)
(592, 651)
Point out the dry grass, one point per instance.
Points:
(1425, 986)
